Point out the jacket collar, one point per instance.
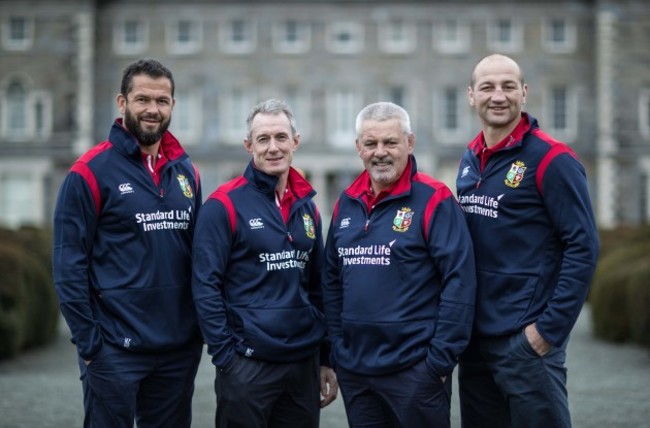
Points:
(525, 126)
(403, 184)
(126, 143)
(266, 183)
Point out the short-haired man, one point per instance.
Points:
(398, 282)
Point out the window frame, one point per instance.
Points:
(121, 45)
(35, 172)
(352, 46)
(234, 113)
(516, 41)
(302, 43)
(238, 47)
(459, 134)
(568, 45)
(341, 118)
(300, 102)
(388, 44)
(188, 108)
(444, 44)
(30, 100)
(178, 47)
(9, 42)
(569, 133)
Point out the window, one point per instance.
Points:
(238, 36)
(397, 36)
(26, 114)
(40, 114)
(450, 119)
(505, 35)
(451, 115)
(16, 110)
(130, 36)
(187, 117)
(451, 36)
(559, 108)
(561, 114)
(400, 95)
(559, 35)
(184, 36)
(21, 194)
(397, 95)
(342, 113)
(300, 104)
(17, 33)
(291, 37)
(238, 103)
(644, 113)
(345, 37)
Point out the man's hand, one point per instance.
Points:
(329, 386)
(536, 341)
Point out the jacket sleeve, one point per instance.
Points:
(451, 250)
(210, 254)
(75, 222)
(566, 198)
(198, 197)
(315, 286)
(331, 283)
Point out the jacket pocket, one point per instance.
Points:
(503, 301)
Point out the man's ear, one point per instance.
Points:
(296, 141)
(470, 96)
(248, 145)
(120, 100)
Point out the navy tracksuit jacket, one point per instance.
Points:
(256, 279)
(398, 281)
(122, 248)
(527, 206)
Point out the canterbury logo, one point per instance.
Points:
(125, 188)
(256, 223)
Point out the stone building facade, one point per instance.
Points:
(586, 63)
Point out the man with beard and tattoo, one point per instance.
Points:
(123, 229)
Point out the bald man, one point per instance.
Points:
(528, 210)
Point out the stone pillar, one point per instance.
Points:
(85, 70)
(606, 144)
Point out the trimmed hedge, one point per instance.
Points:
(620, 293)
(29, 310)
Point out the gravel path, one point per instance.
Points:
(609, 386)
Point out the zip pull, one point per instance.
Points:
(289, 237)
(162, 192)
(478, 183)
(365, 227)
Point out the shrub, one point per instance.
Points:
(28, 303)
(42, 305)
(620, 293)
(638, 303)
(12, 301)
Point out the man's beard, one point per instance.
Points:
(145, 138)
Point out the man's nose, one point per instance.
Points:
(498, 95)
